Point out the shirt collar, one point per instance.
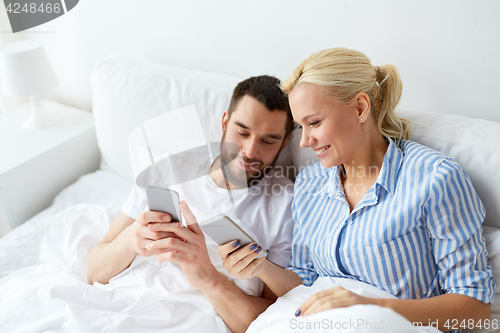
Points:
(332, 184)
(387, 177)
(389, 172)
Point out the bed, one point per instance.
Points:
(43, 261)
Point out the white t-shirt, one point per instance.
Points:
(265, 209)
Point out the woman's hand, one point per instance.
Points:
(241, 262)
(336, 297)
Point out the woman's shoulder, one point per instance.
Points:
(427, 162)
(415, 152)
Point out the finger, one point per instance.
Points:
(164, 226)
(152, 217)
(172, 256)
(162, 234)
(314, 298)
(154, 232)
(191, 222)
(323, 304)
(239, 254)
(247, 260)
(177, 229)
(169, 244)
(147, 234)
(142, 248)
(251, 267)
(224, 250)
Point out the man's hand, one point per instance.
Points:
(241, 262)
(188, 250)
(139, 234)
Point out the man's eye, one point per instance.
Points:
(242, 134)
(268, 142)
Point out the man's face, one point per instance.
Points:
(260, 135)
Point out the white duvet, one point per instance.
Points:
(43, 287)
(148, 296)
(279, 317)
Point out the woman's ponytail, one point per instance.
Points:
(390, 88)
(344, 73)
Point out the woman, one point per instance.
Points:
(378, 208)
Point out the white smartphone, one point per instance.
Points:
(164, 200)
(223, 230)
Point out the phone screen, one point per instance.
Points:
(164, 200)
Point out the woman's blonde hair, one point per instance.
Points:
(343, 73)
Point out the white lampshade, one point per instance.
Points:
(25, 69)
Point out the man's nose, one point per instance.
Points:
(250, 150)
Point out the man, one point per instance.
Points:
(259, 122)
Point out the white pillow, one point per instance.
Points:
(492, 238)
(127, 92)
(473, 143)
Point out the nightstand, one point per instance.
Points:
(35, 165)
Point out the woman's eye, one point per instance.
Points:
(314, 123)
(299, 126)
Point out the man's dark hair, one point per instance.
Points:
(266, 89)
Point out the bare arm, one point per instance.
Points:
(237, 309)
(125, 239)
(279, 280)
(112, 255)
(440, 309)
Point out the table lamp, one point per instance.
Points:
(26, 72)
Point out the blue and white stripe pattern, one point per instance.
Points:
(416, 233)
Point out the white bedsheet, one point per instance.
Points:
(44, 286)
(46, 289)
(20, 247)
(54, 296)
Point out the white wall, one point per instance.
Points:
(448, 52)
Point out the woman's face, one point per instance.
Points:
(330, 128)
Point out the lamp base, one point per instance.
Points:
(39, 118)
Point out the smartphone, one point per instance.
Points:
(223, 230)
(164, 200)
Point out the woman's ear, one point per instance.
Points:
(225, 118)
(363, 106)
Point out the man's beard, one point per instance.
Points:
(228, 153)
